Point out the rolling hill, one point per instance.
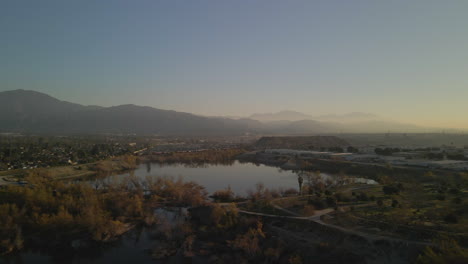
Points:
(33, 112)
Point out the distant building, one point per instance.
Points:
(450, 164)
(409, 155)
(300, 153)
(367, 158)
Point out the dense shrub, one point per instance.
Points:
(212, 156)
(445, 251)
(308, 210)
(390, 189)
(226, 195)
(318, 203)
(331, 201)
(249, 242)
(440, 197)
(363, 197)
(53, 211)
(340, 197)
(451, 218)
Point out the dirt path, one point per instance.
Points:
(3, 182)
(316, 218)
(76, 175)
(4, 179)
(318, 215)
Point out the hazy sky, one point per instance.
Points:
(401, 59)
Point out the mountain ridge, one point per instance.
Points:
(34, 112)
(26, 111)
(285, 115)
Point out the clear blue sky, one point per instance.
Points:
(401, 59)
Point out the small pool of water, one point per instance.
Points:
(239, 176)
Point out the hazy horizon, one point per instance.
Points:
(366, 121)
(406, 61)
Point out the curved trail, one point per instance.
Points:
(316, 218)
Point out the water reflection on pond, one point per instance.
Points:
(239, 176)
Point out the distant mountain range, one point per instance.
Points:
(297, 116)
(281, 116)
(353, 117)
(25, 111)
(33, 112)
(356, 122)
